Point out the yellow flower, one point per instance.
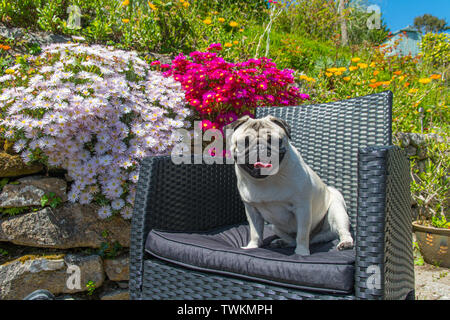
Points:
(401, 78)
(125, 20)
(328, 74)
(363, 65)
(185, 4)
(352, 68)
(373, 80)
(233, 24)
(125, 3)
(207, 21)
(241, 30)
(9, 71)
(356, 59)
(425, 80)
(346, 78)
(303, 77)
(235, 42)
(152, 6)
(338, 73)
(332, 70)
(413, 90)
(311, 80)
(221, 20)
(228, 45)
(372, 65)
(342, 69)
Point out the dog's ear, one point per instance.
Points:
(282, 124)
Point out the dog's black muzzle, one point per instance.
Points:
(249, 166)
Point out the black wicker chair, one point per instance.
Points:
(348, 143)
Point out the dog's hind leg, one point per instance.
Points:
(338, 220)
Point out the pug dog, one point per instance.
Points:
(277, 186)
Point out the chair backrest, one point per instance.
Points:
(329, 135)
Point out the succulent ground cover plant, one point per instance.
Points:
(95, 111)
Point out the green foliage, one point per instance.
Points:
(109, 250)
(316, 19)
(436, 49)
(418, 259)
(440, 222)
(429, 23)
(3, 183)
(13, 211)
(3, 252)
(50, 199)
(430, 184)
(90, 285)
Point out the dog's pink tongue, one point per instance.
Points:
(262, 165)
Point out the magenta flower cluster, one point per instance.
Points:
(221, 91)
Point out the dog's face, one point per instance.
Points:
(258, 145)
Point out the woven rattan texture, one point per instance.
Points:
(182, 197)
(329, 135)
(166, 281)
(384, 259)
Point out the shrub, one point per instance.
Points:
(94, 111)
(221, 91)
(436, 49)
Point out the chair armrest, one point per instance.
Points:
(384, 254)
(184, 197)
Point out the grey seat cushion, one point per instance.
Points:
(326, 269)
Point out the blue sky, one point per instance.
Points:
(400, 13)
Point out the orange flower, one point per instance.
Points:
(346, 78)
(363, 65)
(425, 80)
(376, 72)
(207, 21)
(125, 20)
(152, 6)
(435, 76)
(4, 47)
(353, 68)
(221, 19)
(397, 73)
(228, 45)
(125, 3)
(356, 59)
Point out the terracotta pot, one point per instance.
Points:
(433, 244)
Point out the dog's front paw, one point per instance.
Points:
(345, 244)
(251, 245)
(302, 251)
